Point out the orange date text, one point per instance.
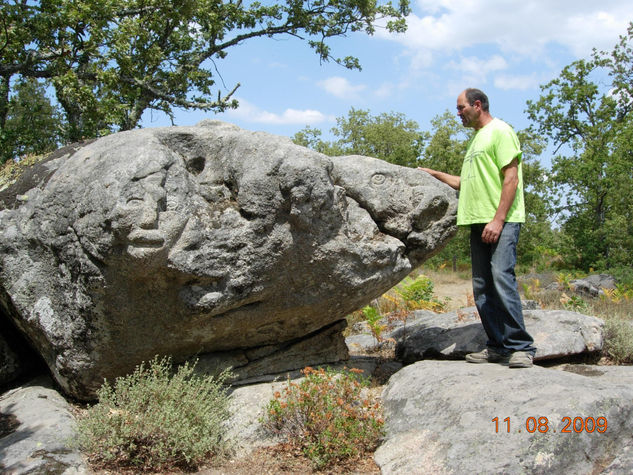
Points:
(568, 425)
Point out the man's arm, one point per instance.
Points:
(451, 180)
(492, 231)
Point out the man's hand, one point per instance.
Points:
(492, 231)
(451, 180)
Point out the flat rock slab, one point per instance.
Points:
(556, 333)
(37, 428)
(455, 417)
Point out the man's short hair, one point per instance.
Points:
(473, 95)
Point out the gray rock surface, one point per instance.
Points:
(556, 333)
(440, 419)
(38, 427)
(211, 239)
(593, 285)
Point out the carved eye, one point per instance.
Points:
(135, 201)
(378, 179)
(196, 165)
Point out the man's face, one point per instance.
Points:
(469, 114)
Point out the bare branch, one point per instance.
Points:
(221, 103)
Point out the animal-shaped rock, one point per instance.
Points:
(239, 247)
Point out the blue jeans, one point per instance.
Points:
(495, 290)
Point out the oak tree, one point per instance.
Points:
(110, 60)
(587, 113)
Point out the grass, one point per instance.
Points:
(415, 292)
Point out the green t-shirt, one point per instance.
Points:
(493, 147)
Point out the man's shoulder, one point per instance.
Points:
(501, 130)
(499, 124)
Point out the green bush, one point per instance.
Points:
(155, 420)
(326, 416)
(618, 340)
(574, 303)
(416, 290)
(372, 316)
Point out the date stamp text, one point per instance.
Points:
(568, 425)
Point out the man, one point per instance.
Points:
(491, 203)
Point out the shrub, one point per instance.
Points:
(372, 316)
(326, 416)
(155, 420)
(420, 288)
(574, 303)
(618, 340)
(417, 294)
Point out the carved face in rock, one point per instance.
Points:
(222, 221)
(404, 202)
(148, 220)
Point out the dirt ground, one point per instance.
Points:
(277, 461)
(455, 286)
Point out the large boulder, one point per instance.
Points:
(204, 240)
(445, 417)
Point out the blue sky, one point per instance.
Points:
(506, 48)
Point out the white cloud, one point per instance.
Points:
(384, 91)
(521, 27)
(519, 82)
(251, 113)
(476, 70)
(341, 87)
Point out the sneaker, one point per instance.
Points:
(487, 355)
(521, 359)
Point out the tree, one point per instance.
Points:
(110, 60)
(311, 138)
(589, 120)
(537, 238)
(32, 125)
(447, 144)
(388, 136)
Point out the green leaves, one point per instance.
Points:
(111, 60)
(388, 136)
(32, 124)
(589, 120)
(154, 419)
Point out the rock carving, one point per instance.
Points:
(205, 240)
